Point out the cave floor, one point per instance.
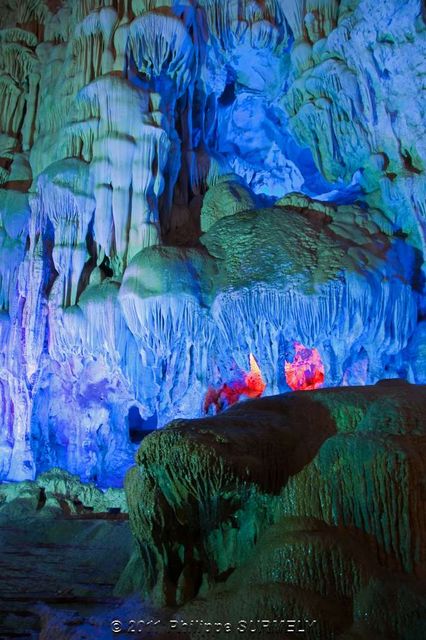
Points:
(57, 573)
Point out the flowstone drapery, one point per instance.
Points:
(185, 183)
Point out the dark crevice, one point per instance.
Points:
(139, 427)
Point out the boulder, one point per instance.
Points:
(306, 505)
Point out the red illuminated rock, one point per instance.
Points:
(306, 371)
(250, 385)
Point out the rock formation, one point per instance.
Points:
(305, 506)
(184, 183)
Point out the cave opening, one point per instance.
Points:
(139, 427)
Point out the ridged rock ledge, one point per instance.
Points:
(306, 505)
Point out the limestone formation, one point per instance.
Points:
(183, 183)
(309, 503)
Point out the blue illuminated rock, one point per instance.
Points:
(183, 184)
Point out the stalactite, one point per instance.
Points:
(185, 183)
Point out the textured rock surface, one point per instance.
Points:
(351, 100)
(309, 503)
(151, 236)
(57, 491)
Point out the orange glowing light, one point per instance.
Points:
(254, 383)
(250, 385)
(306, 372)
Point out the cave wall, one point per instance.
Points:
(184, 183)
